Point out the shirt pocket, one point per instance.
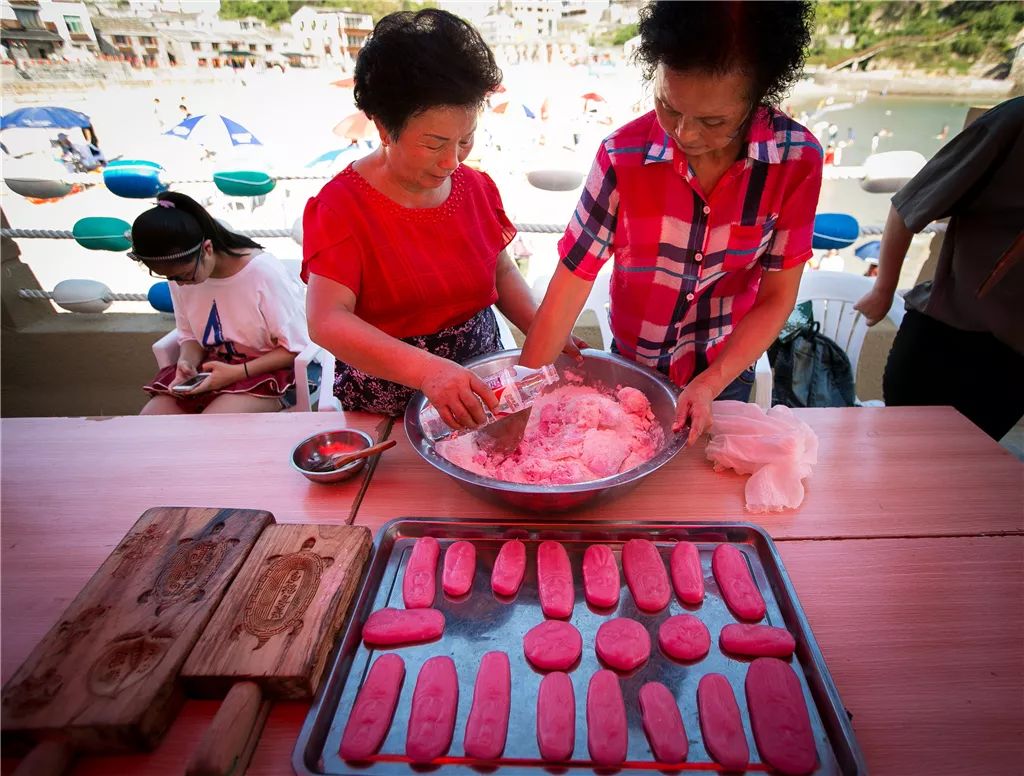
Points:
(747, 244)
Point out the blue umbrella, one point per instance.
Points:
(45, 118)
(330, 156)
(869, 250)
(237, 134)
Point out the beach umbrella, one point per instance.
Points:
(593, 97)
(502, 108)
(41, 117)
(236, 133)
(344, 83)
(356, 126)
(869, 250)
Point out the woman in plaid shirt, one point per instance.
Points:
(706, 204)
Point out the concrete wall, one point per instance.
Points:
(70, 364)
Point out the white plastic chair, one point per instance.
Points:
(833, 295)
(167, 348)
(599, 302)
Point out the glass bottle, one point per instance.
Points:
(516, 388)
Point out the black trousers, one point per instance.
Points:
(932, 363)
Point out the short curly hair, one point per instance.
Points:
(767, 40)
(416, 61)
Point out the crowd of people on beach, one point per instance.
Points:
(704, 205)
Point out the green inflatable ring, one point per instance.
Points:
(98, 233)
(244, 183)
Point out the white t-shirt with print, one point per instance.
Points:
(257, 309)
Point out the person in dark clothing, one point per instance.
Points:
(961, 342)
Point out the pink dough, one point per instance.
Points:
(556, 718)
(554, 580)
(388, 627)
(663, 723)
(756, 640)
(600, 577)
(487, 725)
(687, 577)
(554, 645)
(418, 584)
(778, 715)
(684, 637)
(607, 734)
(509, 568)
(645, 574)
(459, 568)
(738, 589)
(371, 715)
(435, 702)
(575, 434)
(720, 723)
(623, 644)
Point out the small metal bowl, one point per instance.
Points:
(309, 449)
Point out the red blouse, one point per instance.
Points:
(414, 271)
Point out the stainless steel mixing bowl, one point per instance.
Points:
(598, 368)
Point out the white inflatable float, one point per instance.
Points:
(888, 172)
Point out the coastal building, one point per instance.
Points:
(26, 34)
(134, 40)
(327, 36)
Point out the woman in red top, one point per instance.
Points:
(404, 251)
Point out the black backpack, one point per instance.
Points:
(809, 369)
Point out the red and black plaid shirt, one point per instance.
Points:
(687, 266)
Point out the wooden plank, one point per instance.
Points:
(104, 677)
(276, 624)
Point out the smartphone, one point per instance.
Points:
(191, 383)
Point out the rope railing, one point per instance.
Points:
(35, 293)
(65, 234)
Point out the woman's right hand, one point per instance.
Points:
(457, 393)
(184, 370)
(874, 304)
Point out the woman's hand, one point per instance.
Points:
(221, 376)
(694, 405)
(457, 393)
(573, 346)
(184, 370)
(874, 304)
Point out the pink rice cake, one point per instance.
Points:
(435, 702)
(371, 715)
(601, 581)
(556, 717)
(553, 645)
(607, 731)
(509, 568)
(779, 718)
(459, 569)
(420, 581)
(663, 723)
(487, 725)
(575, 434)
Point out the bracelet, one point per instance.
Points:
(245, 366)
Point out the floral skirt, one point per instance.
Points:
(359, 391)
(270, 385)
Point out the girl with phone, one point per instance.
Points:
(240, 315)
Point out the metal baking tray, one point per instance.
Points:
(480, 623)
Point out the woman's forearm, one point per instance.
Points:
(562, 303)
(192, 352)
(896, 238)
(365, 347)
(278, 358)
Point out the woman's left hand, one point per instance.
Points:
(221, 376)
(573, 346)
(694, 405)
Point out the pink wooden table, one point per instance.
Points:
(895, 471)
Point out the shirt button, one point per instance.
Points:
(689, 297)
(699, 257)
(706, 210)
